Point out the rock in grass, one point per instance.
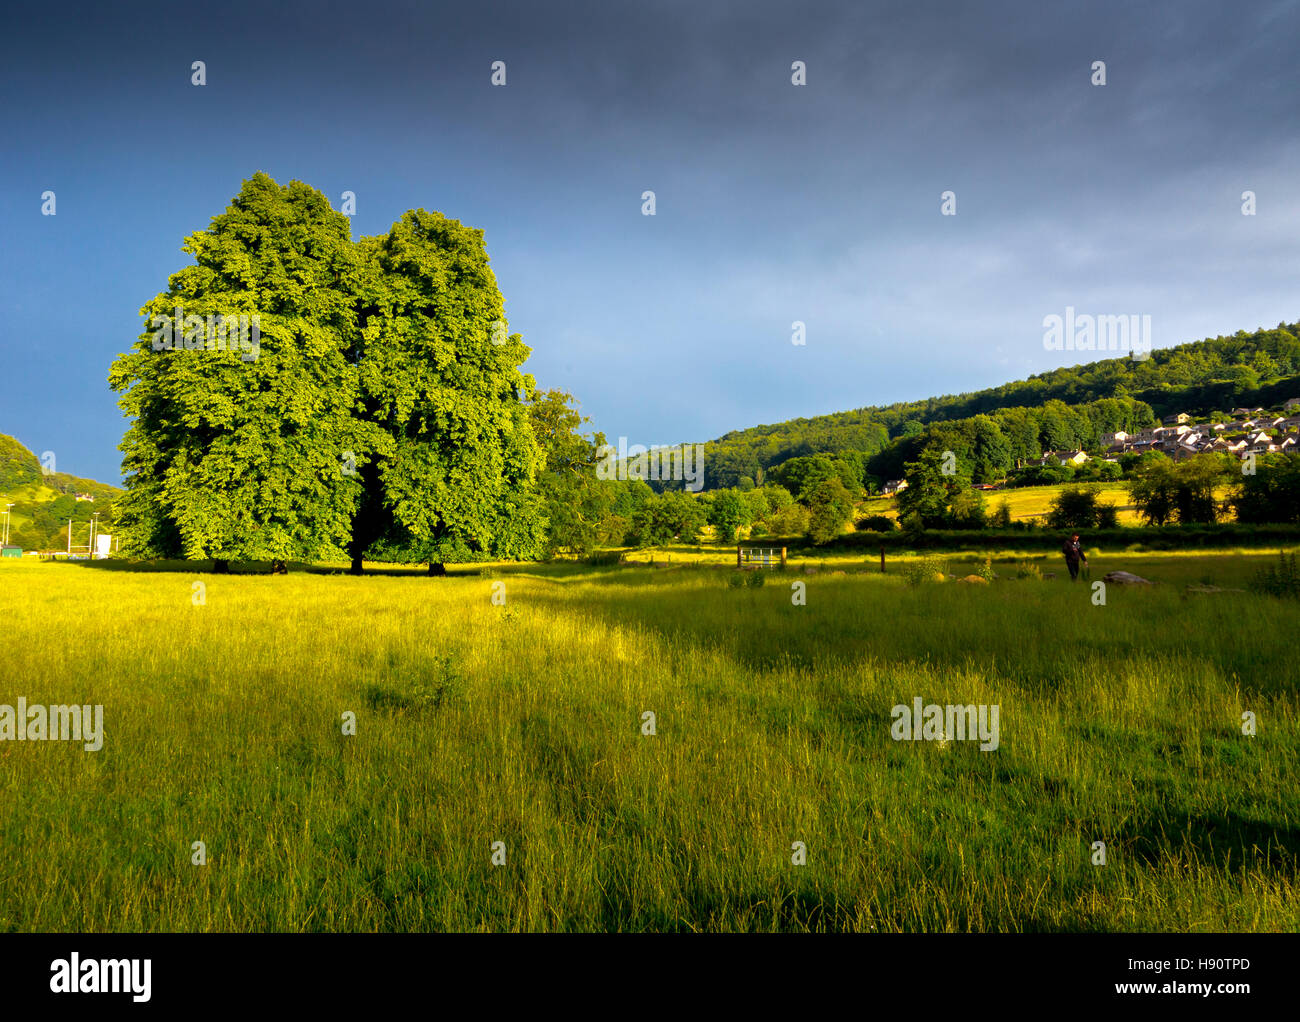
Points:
(975, 580)
(1126, 578)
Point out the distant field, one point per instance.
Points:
(1029, 502)
(522, 723)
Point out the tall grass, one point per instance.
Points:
(522, 723)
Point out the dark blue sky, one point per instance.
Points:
(774, 203)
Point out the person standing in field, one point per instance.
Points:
(1073, 551)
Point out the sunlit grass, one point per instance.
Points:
(521, 723)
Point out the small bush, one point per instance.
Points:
(752, 578)
(875, 523)
(1029, 569)
(1107, 516)
(1281, 579)
(924, 569)
(431, 691)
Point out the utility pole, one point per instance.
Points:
(69, 537)
(5, 542)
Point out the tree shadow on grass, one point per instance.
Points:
(1224, 842)
(546, 570)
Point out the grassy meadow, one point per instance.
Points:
(522, 723)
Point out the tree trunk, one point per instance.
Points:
(220, 567)
(356, 565)
(437, 569)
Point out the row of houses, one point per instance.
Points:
(1253, 433)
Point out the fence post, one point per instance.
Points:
(882, 558)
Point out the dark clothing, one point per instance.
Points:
(1073, 551)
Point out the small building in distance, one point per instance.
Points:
(1064, 458)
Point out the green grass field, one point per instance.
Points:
(479, 723)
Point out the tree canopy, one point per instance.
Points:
(380, 406)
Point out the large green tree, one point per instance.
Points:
(440, 379)
(381, 408)
(237, 453)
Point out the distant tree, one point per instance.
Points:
(829, 507)
(801, 476)
(1197, 480)
(665, 517)
(992, 452)
(966, 510)
(1073, 508)
(789, 521)
(727, 511)
(930, 492)
(757, 504)
(574, 501)
(1164, 491)
(1054, 433)
(778, 497)
(1153, 491)
(1272, 494)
